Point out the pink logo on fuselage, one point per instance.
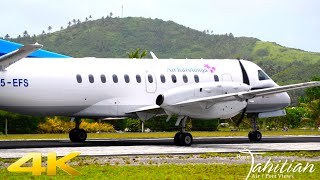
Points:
(211, 69)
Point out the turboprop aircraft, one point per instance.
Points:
(42, 83)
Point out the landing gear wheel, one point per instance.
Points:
(186, 139)
(183, 139)
(177, 139)
(254, 135)
(77, 135)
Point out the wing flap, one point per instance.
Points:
(240, 96)
(151, 109)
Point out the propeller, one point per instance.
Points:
(246, 81)
(242, 115)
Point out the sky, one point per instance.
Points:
(291, 23)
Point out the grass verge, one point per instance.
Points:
(169, 171)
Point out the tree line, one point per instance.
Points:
(70, 23)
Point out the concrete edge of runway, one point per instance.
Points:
(198, 137)
(159, 146)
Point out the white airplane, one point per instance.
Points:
(141, 88)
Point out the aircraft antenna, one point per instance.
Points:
(122, 11)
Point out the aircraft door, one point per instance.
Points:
(151, 82)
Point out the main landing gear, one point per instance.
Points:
(254, 135)
(77, 134)
(182, 138)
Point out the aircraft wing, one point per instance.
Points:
(240, 96)
(250, 94)
(10, 58)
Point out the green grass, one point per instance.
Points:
(93, 170)
(171, 171)
(306, 154)
(157, 134)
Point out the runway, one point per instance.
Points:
(134, 147)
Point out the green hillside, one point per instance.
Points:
(113, 37)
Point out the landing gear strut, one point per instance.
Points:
(182, 138)
(77, 134)
(254, 135)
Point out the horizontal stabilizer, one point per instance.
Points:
(14, 56)
(8, 47)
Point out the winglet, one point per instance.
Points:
(10, 58)
(153, 55)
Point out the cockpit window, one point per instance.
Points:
(262, 75)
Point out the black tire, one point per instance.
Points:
(82, 135)
(254, 135)
(257, 135)
(78, 135)
(186, 139)
(177, 138)
(72, 135)
(183, 139)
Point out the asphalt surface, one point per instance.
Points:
(14, 144)
(115, 147)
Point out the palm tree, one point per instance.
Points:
(25, 33)
(74, 21)
(87, 19)
(136, 54)
(49, 29)
(7, 36)
(90, 17)
(61, 28)
(43, 32)
(313, 109)
(69, 24)
(111, 14)
(78, 22)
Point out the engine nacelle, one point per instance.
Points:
(203, 110)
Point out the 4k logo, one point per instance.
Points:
(52, 164)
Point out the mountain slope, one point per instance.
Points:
(113, 37)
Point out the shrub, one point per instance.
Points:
(56, 125)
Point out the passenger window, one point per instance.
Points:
(162, 78)
(196, 78)
(150, 78)
(185, 78)
(262, 75)
(138, 78)
(79, 78)
(126, 78)
(174, 78)
(103, 78)
(91, 79)
(115, 78)
(216, 78)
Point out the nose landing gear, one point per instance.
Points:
(254, 135)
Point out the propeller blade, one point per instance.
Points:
(242, 115)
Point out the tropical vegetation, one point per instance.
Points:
(120, 37)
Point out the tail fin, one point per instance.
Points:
(8, 47)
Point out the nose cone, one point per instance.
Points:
(285, 98)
